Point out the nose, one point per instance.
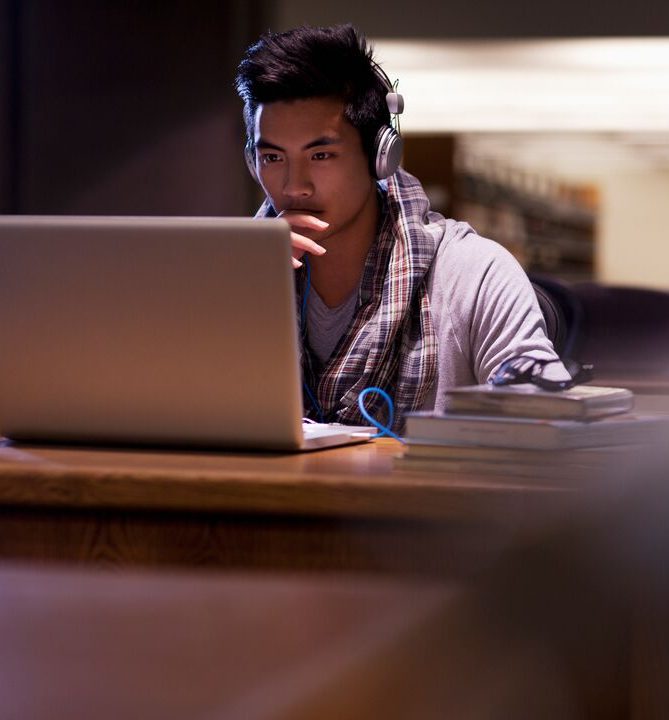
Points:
(297, 180)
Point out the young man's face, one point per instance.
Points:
(309, 158)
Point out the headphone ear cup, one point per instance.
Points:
(250, 159)
(388, 154)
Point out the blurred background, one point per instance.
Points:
(546, 126)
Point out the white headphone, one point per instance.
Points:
(388, 143)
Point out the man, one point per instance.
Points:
(392, 294)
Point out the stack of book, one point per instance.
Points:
(521, 431)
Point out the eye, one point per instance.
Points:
(322, 155)
(269, 158)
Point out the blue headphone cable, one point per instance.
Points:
(385, 430)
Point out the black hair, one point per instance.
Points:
(309, 62)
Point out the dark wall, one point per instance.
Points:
(6, 139)
(120, 107)
(127, 108)
(483, 18)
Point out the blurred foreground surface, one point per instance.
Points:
(570, 622)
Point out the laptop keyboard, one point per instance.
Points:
(315, 430)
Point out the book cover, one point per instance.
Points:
(464, 453)
(513, 432)
(582, 402)
(584, 465)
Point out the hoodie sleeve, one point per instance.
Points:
(483, 307)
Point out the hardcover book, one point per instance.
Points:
(428, 451)
(582, 402)
(515, 432)
(575, 466)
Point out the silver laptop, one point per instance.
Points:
(178, 331)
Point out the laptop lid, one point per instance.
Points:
(149, 330)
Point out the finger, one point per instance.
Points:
(303, 220)
(304, 244)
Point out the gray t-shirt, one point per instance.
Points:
(326, 325)
(483, 307)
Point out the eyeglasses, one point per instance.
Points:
(524, 369)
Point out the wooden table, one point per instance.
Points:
(571, 622)
(337, 509)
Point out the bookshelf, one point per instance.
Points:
(548, 224)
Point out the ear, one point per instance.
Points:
(250, 159)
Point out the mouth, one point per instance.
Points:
(302, 211)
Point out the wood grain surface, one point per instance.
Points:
(351, 481)
(338, 509)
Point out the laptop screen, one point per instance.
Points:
(149, 330)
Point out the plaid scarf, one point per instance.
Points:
(390, 342)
